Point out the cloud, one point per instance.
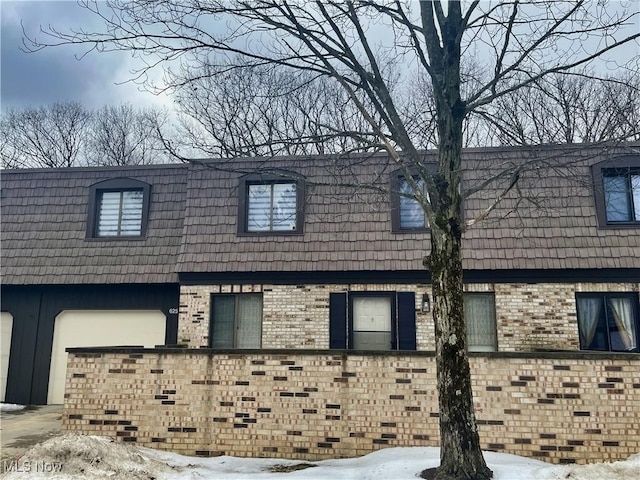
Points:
(56, 74)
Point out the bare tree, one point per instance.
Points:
(262, 110)
(43, 137)
(565, 109)
(521, 43)
(68, 135)
(124, 135)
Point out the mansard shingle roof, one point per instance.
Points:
(194, 213)
(44, 215)
(553, 227)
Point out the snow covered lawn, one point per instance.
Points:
(10, 407)
(93, 458)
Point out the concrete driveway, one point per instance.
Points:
(20, 430)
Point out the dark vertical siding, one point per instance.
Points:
(24, 306)
(406, 320)
(338, 320)
(34, 310)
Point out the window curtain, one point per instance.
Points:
(589, 314)
(479, 312)
(622, 309)
(249, 328)
(222, 320)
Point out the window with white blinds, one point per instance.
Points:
(236, 321)
(272, 207)
(412, 214)
(120, 213)
(480, 317)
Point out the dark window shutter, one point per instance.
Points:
(338, 320)
(406, 321)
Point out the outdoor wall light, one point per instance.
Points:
(426, 303)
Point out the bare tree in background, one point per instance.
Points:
(519, 43)
(124, 135)
(565, 109)
(266, 111)
(69, 135)
(43, 137)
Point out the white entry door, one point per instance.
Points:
(372, 323)
(99, 328)
(6, 327)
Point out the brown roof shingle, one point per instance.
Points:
(194, 211)
(559, 232)
(44, 215)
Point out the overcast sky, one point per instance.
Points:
(54, 74)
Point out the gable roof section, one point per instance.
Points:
(44, 224)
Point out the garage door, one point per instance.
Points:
(91, 328)
(6, 325)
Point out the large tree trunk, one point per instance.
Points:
(460, 456)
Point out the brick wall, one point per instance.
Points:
(533, 316)
(561, 407)
(529, 316)
(293, 316)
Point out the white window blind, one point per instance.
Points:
(120, 213)
(411, 212)
(271, 207)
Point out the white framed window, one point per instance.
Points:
(372, 322)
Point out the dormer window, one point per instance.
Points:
(622, 195)
(617, 192)
(412, 216)
(270, 205)
(118, 208)
(120, 213)
(407, 215)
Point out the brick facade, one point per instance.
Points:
(293, 316)
(529, 316)
(561, 407)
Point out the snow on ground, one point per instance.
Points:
(10, 407)
(97, 458)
